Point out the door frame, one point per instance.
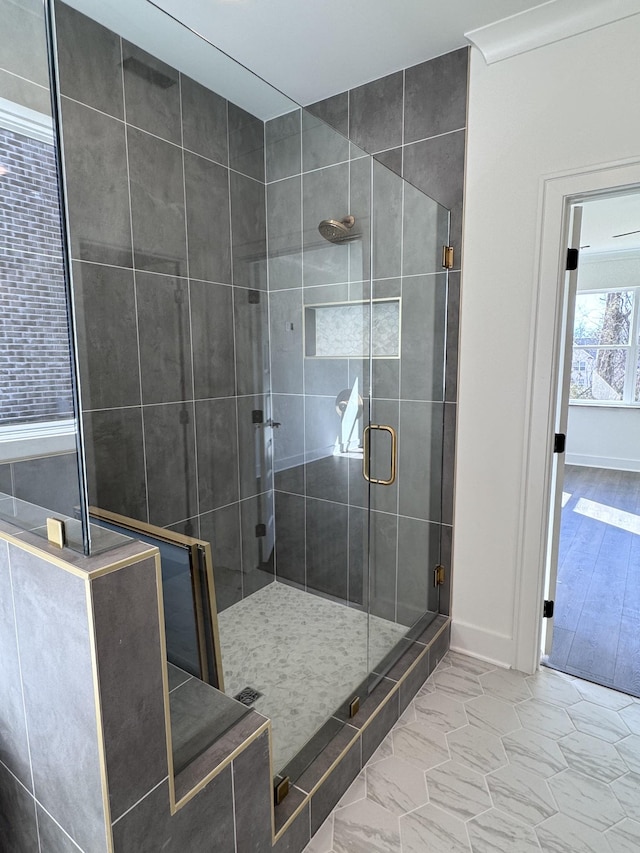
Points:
(556, 193)
(569, 288)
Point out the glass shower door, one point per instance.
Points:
(403, 450)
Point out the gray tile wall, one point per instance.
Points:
(50, 785)
(414, 123)
(49, 755)
(166, 203)
(24, 72)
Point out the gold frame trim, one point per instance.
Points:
(102, 753)
(195, 546)
(58, 561)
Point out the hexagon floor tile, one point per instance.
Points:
(630, 716)
(440, 711)
(420, 745)
(457, 683)
(458, 790)
(492, 715)
(598, 721)
(627, 792)
(496, 832)
(429, 828)
(554, 689)
(534, 752)
(588, 801)
(544, 718)
(562, 834)
(487, 760)
(625, 837)
(521, 795)
(507, 684)
(592, 756)
(477, 749)
(398, 786)
(365, 827)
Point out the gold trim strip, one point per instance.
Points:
(122, 564)
(69, 567)
(165, 684)
(170, 536)
(102, 755)
(213, 605)
(176, 806)
(195, 548)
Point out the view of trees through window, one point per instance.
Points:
(605, 348)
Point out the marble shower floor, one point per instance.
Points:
(488, 760)
(305, 654)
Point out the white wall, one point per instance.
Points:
(560, 108)
(604, 437)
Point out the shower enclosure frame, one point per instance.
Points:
(377, 670)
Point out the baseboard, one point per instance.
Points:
(609, 462)
(476, 642)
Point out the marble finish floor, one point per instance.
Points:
(304, 653)
(487, 760)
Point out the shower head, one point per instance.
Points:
(336, 230)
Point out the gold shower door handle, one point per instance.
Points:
(365, 455)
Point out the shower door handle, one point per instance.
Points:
(366, 454)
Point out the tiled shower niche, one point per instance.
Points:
(346, 330)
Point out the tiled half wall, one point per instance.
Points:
(86, 764)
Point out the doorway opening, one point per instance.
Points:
(593, 562)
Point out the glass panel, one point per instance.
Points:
(319, 308)
(39, 462)
(603, 319)
(235, 337)
(200, 713)
(597, 373)
(407, 396)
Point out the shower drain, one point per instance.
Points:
(248, 696)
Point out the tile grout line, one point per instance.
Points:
(135, 282)
(189, 306)
(235, 350)
(137, 803)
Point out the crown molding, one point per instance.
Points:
(547, 23)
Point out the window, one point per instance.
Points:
(605, 365)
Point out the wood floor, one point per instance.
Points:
(597, 605)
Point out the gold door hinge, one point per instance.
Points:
(438, 576)
(447, 257)
(354, 706)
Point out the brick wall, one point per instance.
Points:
(35, 378)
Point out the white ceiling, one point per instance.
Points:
(311, 50)
(608, 223)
